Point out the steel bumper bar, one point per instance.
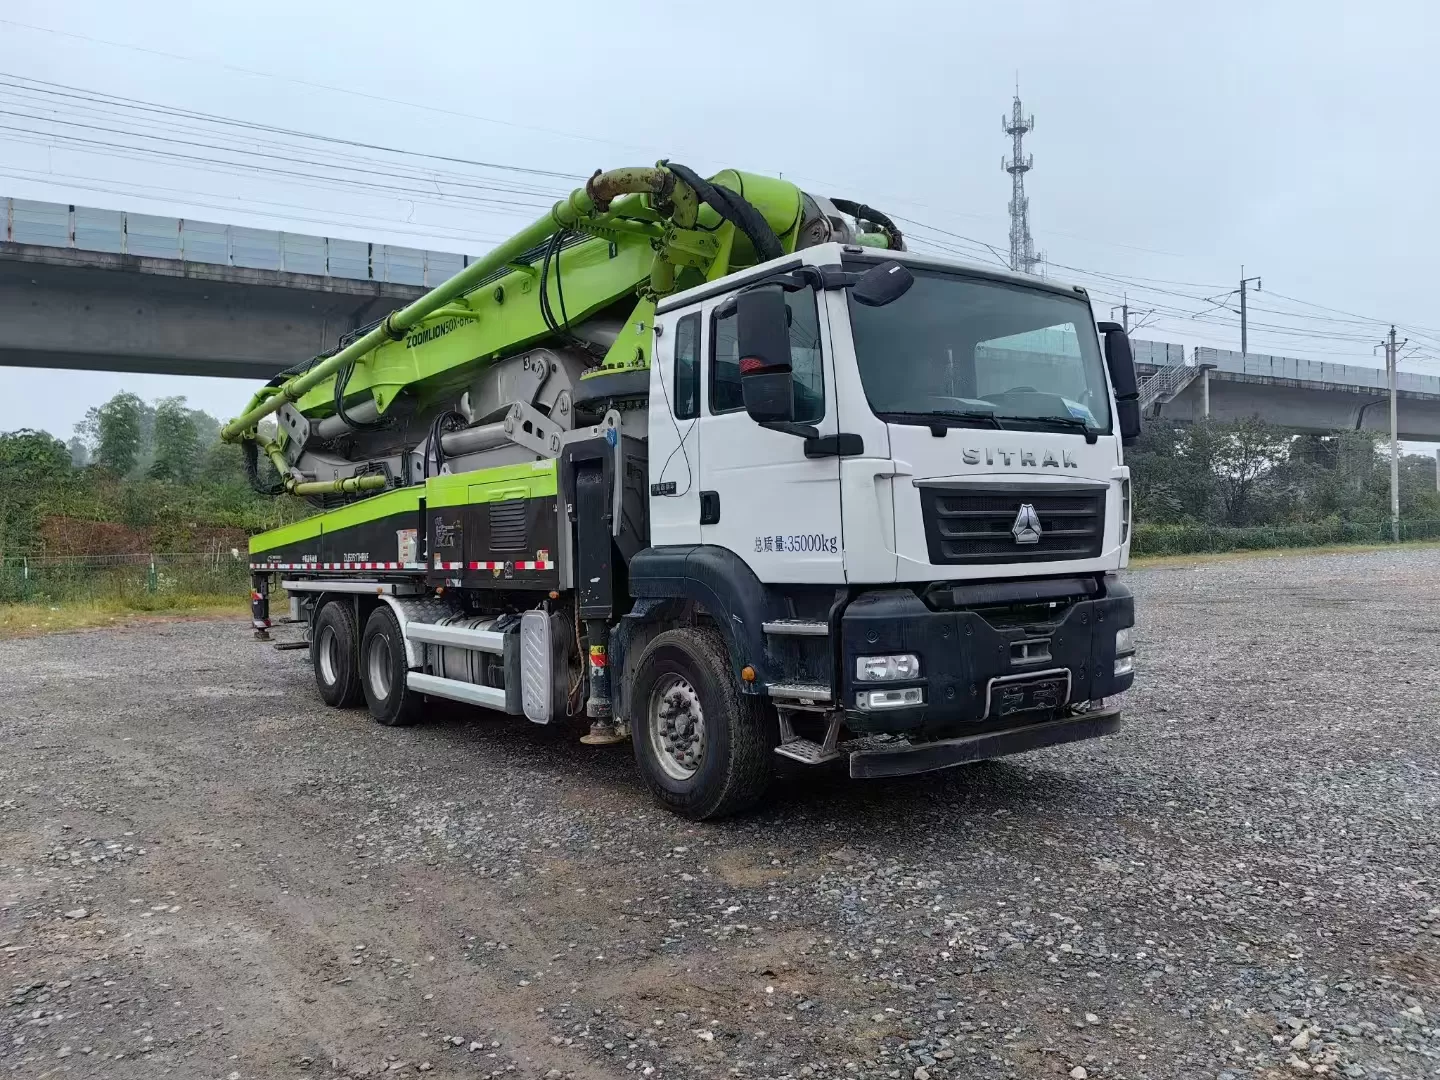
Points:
(946, 753)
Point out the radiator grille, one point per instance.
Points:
(973, 524)
(507, 525)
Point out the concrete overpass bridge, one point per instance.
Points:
(112, 291)
(1303, 395)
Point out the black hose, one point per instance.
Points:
(433, 450)
(250, 451)
(341, 378)
(561, 326)
(860, 210)
(734, 209)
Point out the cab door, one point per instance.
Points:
(760, 496)
(674, 448)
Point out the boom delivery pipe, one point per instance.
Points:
(587, 202)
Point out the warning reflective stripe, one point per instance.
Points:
(345, 566)
(530, 565)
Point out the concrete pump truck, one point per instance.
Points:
(717, 467)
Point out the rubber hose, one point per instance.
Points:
(734, 209)
(860, 210)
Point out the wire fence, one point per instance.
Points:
(144, 580)
(1205, 539)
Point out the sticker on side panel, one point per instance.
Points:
(797, 543)
(407, 543)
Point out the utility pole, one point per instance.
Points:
(1392, 362)
(1124, 311)
(1244, 340)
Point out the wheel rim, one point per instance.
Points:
(378, 667)
(677, 726)
(329, 655)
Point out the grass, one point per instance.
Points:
(1145, 562)
(28, 620)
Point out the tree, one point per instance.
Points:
(28, 456)
(1172, 485)
(1242, 454)
(176, 442)
(79, 451)
(119, 428)
(34, 467)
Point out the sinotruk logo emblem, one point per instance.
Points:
(1026, 529)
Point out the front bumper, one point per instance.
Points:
(947, 753)
(965, 658)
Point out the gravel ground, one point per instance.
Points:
(206, 873)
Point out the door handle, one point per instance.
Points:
(709, 508)
(841, 444)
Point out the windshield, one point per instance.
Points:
(981, 352)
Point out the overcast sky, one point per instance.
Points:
(1172, 143)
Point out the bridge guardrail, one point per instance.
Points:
(23, 221)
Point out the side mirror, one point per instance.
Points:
(883, 284)
(762, 326)
(1121, 363)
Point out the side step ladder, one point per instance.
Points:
(808, 751)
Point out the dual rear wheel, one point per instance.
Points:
(371, 669)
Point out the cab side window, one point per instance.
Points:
(687, 367)
(805, 361)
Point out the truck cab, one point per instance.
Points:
(913, 528)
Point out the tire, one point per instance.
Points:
(333, 653)
(731, 767)
(383, 669)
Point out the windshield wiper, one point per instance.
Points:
(1063, 421)
(941, 419)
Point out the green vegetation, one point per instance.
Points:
(154, 477)
(144, 478)
(1247, 485)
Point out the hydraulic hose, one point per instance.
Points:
(868, 213)
(734, 209)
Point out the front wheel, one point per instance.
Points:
(704, 749)
(383, 671)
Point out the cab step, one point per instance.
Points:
(806, 693)
(808, 751)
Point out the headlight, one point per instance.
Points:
(1124, 651)
(873, 700)
(887, 668)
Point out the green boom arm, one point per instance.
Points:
(583, 202)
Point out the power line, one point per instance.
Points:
(303, 179)
(42, 86)
(439, 110)
(342, 218)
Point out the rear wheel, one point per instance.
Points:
(384, 670)
(333, 653)
(703, 748)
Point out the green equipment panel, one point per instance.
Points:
(492, 528)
